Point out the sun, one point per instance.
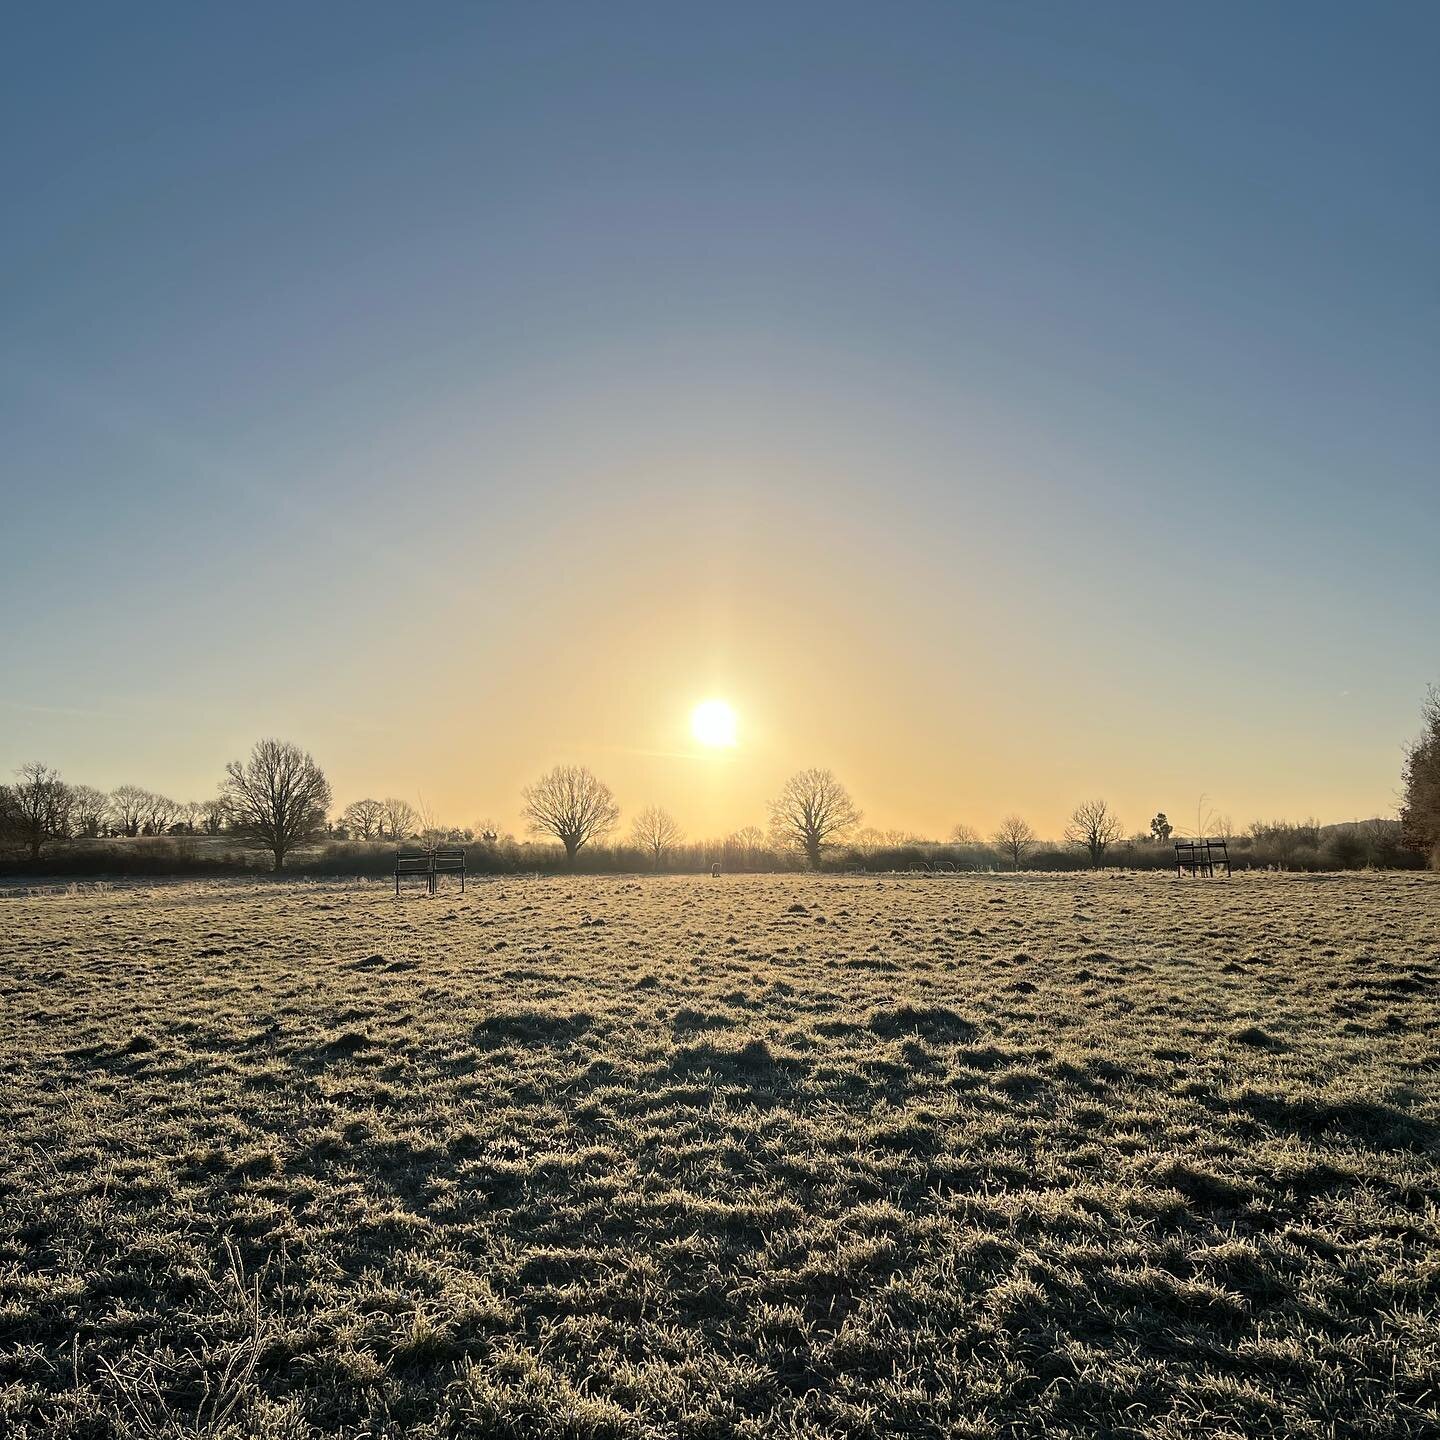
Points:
(712, 723)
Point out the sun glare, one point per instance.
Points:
(713, 723)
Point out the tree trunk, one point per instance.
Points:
(812, 853)
(279, 860)
(572, 848)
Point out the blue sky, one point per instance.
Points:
(938, 357)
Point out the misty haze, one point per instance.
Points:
(720, 721)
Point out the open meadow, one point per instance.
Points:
(795, 1156)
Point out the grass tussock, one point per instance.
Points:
(589, 1157)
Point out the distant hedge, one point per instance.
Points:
(1334, 848)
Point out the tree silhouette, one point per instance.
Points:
(1013, 837)
(88, 808)
(749, 841)
(214, 815)
(399, 818)
(656, 830)
(362, 817)
(432, 833)
(127, 808)
(277, 799)
(1420, 807)
(1161, 829)
(36, 808)
(813, 811)
(160, 813)
(1095, 826)
(573, 805)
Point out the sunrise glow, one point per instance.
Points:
(713, 724)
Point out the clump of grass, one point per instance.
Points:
(536, 1025)
(931, 1022)
(253, 1163)
(1204, 1188)
(749, 1061)
(1257, 1036)
(425, 1343)
(688, 1019)
(348, 1042)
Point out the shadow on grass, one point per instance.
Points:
(753, 1065)
(931, 1022)
(1369, 1122)
(534, 1026)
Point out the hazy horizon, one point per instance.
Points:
(710, 774)
(1001, 408)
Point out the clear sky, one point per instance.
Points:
(1003, 405)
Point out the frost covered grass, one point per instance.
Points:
(835, 1156)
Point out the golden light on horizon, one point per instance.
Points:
(713, 724)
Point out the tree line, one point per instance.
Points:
(278, 800)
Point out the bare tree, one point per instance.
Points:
(813, 812)
(127, 808)
(278, 798)
(656, 831)
(160, 814)
(215, 813)
(362, 817)
(88, 808)
(749, 841)
(964, 834)
(1382, 839)
(1420, 804)
(36, 808)
(1205, 818)
(1283, 838)
(869, 839)
(398, 820)
(432, 833)
(573, 805)
(1014, 837)
(1095, 826)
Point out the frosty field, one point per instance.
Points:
(833, 1156)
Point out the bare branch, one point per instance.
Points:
(813, 812)
(656, 831)
(362, 818)
(1095, 826)
(278, 798)
(1014, 837)
(36, 808)
(573, 805)
(398, 820)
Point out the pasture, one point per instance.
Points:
(755, 1156)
